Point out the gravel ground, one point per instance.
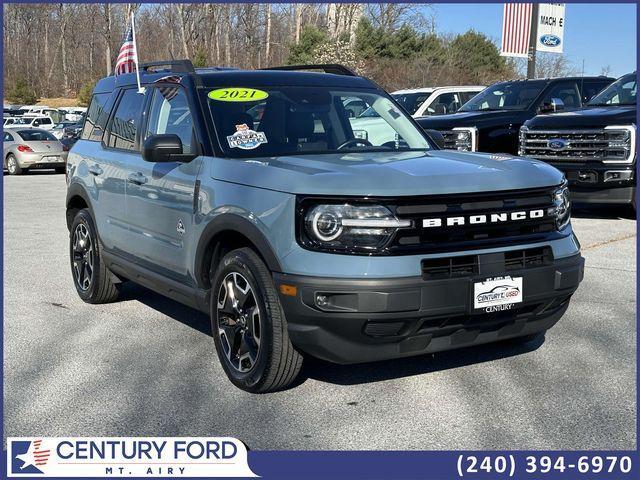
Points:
(147, 366)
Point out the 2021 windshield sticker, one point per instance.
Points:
(234, 94)
(245, 138)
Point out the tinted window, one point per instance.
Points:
(169, 113)
(411, 101)
(7, 137)
(125, 122)
(45, 121)
(590, 89)
(505, 96)
(36, 136)
(565, 91)
(444, 103)
(96, 118)
(621, 92)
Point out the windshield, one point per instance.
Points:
(287, 120)
(505, 96)
(621, 92)
(411, 102)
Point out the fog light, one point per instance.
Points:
(322, 300)
(617, 175)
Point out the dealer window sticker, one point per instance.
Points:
(236, 94)
(245, 138)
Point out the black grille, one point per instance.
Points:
(529, 258)
(580, 145)
(460, 237)
(473, 265)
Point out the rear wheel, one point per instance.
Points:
(13, 167)
(92, 279)
(249, 326)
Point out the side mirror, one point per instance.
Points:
(556, 105)
(165, 147)
(437, 138)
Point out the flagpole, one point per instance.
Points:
(135, 47)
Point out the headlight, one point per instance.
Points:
(466, 139)
(521, 139)
(621, 143)
(350, 227)
(561, 206)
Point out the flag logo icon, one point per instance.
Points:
(28, 456)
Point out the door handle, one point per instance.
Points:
(95, 169)
(137, 178)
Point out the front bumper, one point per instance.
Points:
(398, 317)
(597, 183)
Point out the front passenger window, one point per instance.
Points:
(169, 113)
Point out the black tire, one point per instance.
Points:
(13, 167)
(100, 287)
(276, 363)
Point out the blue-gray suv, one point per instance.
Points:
(248, 195)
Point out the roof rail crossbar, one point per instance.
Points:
(334, 68)
(177, 66)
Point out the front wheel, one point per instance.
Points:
(249, 326)
(91, 277)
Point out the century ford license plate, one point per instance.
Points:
(497, 294)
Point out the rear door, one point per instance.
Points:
(120, 150)
(160, 196)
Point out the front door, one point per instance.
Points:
(160, 196)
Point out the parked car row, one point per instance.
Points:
(584, 126)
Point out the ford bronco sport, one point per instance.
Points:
(246, 195)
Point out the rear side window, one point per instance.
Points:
(126, 120)
(36, 136)
(96, 119)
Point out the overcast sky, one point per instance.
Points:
(601, 34)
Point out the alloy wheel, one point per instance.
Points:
(11, 165)
(83, 257)
(238, 318)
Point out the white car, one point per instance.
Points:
(74, 114)
(11, 121)
(37, 121)
(421, 102)
(53, 113)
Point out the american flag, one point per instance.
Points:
(168, 91)
(127, 57)
(516, 29)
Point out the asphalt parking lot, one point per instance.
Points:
(146, 366)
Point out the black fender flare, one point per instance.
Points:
(77, 190)
(237, 224)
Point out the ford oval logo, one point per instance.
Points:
(550, 40)
(557, 144)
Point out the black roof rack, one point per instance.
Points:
(334, 68)
(177, 66)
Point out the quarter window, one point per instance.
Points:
(96, 118)
(7, 137)
(125, 122)
(169, 113)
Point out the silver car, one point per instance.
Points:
(26, 148)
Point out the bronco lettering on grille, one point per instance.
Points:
(483, 218)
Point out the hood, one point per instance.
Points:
(388, 174)
(586, 117)
(466, 119)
